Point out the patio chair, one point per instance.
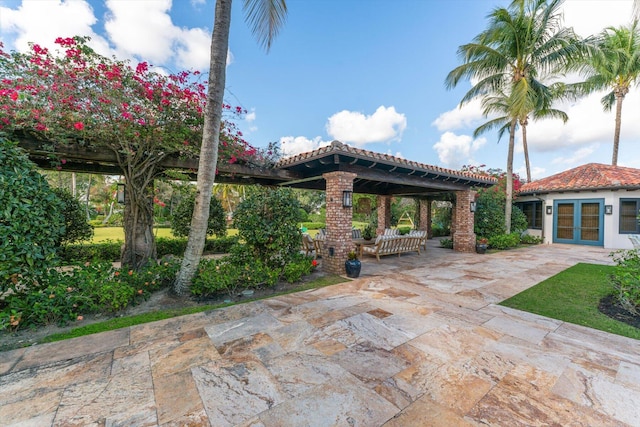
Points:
(635, 240)
(318, 244)
(308, 246)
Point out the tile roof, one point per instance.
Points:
(592, 176)
(341, 148)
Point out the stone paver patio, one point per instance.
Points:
(415, 341)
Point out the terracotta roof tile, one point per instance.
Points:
(591, 176)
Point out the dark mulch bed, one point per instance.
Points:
(609, 306)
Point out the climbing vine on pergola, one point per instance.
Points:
(76, 96)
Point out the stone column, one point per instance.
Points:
(384, 214)
(424, 209)
(464, 239)
(338, 242)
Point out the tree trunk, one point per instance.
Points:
(106, 218)
(88, 195)
(209, 149)
(525, 148)
(139, 241)
(73, 184)
(616, 133)
(509, 183)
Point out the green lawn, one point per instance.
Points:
(573, 296)
(103, 234)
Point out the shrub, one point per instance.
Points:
(181, 217)
(105, 251)
(489, 216)
(626, 279)
(267, 221)
(77, 228)
(439, 231)
(446, 243)
(528, 239)
(298, 268)
(504, 241)
(31, 219)
(404, 230)
(61, 296)
(110, 251)
(239, 270)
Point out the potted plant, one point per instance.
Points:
(481, 245)
(352, 265)
(368, 233)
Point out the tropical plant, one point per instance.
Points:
(368, 232)
(266, 18)
(31, 220)
(523, 44)
(613, 64)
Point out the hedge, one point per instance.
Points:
(110, 251)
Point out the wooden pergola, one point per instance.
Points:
(336, 169)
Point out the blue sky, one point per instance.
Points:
(369, 73)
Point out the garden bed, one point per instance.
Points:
(158, 302)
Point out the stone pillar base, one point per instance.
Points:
(464, 242)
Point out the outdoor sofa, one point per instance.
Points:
(391, 245)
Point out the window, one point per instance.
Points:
(533, 212)
(629, 209)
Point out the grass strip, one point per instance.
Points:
(573, 296)
(124, 322)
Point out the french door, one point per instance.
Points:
(578, 222)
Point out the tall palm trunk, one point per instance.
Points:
(209, 148)
(525, 148)
(509, 184)
(616, 134)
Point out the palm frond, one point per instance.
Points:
(266, 18)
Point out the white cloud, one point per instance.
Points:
(467, 116)
(536, 172)
(42, 22)
(590, 17)
(142, 28)
(575, 158)
(290, 146)
(250, 116)
(456, 150)
(135, 30)
(354, 127)
(587, 124)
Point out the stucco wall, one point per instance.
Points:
(612, 238)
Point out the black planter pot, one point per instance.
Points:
(353, 266)
(481, 248)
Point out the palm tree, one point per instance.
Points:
(265, 17)
(522, 43)
(500, 104)
(229, 195)
(614, 64)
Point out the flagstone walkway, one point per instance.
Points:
(415, 341)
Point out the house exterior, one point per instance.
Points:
(593, 204)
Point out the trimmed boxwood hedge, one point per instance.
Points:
(110, 251)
